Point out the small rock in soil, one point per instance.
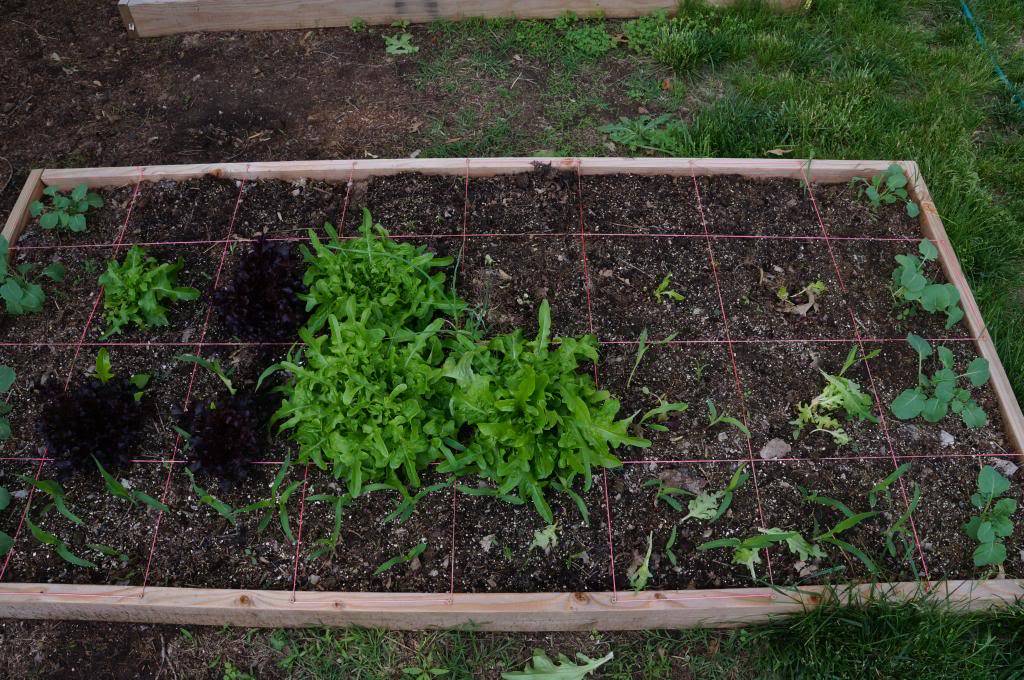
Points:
(1004, 466)
(946, 439)
(313, 579)
(776, 448)
(908, 431)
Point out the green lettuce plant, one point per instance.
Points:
(136, 290)
(536, 418)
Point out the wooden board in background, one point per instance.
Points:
(147, 18)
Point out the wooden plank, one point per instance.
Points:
(19, 217)
(823, 171)
(931, 225)
(483, 611)
(146, 18)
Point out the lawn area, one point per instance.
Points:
(844, 79)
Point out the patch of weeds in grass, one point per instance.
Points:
(662, 134)
(839, 395)
(400, 44)
(937, 395)
(540, 666)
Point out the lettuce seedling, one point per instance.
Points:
(935, 396)
(261, 301)
(840, 394)
(67, 212)
(911, 286)
(396, 282)
(92, 419)
(136, 291)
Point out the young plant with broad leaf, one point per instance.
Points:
(887, 188)
(65, 211)
(913, 287)
(994, 521)
(19, 289)
(936, 395)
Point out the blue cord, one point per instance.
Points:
(995, 64)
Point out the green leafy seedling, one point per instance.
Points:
(747, 551)
(887, 188)
(663, 293)
(543, 668)
(723, 418)
(937, 395)
(212, 365)
(103, 372)
(639, 573)
(276, 504)
(545, 539)
(404, 558)
(400, 44)
(910, 285)
(137, 289)
(669, 545)
(658, 415)
(206, 498)
(7, 377)
(21, 294)
(6, 542)
(993, 523)
(65, 211)
(839, 395)
(55, 491)
(59, 546)
(133, 496)
(641, 349)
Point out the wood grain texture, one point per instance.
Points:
(146, 18)
(488, 612)
(824, 171)
(30, 191)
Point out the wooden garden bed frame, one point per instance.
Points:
(503, 611)
(147, 18)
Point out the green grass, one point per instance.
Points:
(879, 640)
(865, 79)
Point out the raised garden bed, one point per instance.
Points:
(707, 260)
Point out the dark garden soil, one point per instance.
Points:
(516, 241)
